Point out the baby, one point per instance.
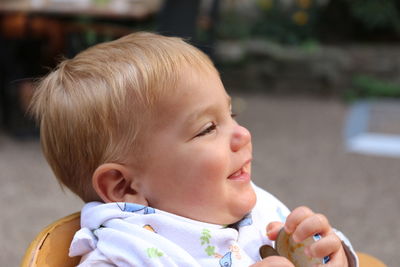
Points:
(141, 129)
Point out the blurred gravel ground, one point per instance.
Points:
(299, 156)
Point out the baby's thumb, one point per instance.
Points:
(273, 230)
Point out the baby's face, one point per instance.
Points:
(198, 157)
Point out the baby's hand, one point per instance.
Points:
(273, 261)
(303, 223)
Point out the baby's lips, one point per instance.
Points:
(244, 170)
(236, 174)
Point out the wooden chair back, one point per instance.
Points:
(50, 247)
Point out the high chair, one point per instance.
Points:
(50, 247)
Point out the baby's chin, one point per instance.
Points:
(247, 205)
(231, 215)
(228, 219)
(243, 214)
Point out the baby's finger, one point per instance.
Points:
(315, 224)
(337, 259)
(296, 217)
(273, 230)
(328, 245)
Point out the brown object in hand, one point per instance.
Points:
(266, 251)
(286, 247)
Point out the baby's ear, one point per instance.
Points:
(116, 183)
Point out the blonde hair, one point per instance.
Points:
(93, 108)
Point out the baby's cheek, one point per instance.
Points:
(216, 165)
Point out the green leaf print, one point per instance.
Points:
(210, 250)
(204, 240)
(154, 253)
(205, 237)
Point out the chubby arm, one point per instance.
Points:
(303, 223)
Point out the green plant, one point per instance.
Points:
(367, 87)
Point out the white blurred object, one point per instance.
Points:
(360, 138)
(375, 144)
(79, 3)
(37, 3)
(138, 6)
(119, 5)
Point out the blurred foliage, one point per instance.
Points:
(233, 24)
(299, 21)
(375, 14)
(286, 22)
(365, 86)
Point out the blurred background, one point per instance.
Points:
(316, 81)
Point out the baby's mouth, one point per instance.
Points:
(242, 173)
(236, 174)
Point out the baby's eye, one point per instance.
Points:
(207, 130)
(233, 115)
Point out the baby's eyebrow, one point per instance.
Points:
(194, 116)
(205, 110)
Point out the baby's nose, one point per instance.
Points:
(240, 138)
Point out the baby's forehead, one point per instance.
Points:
(195, 95)
(195, 85)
